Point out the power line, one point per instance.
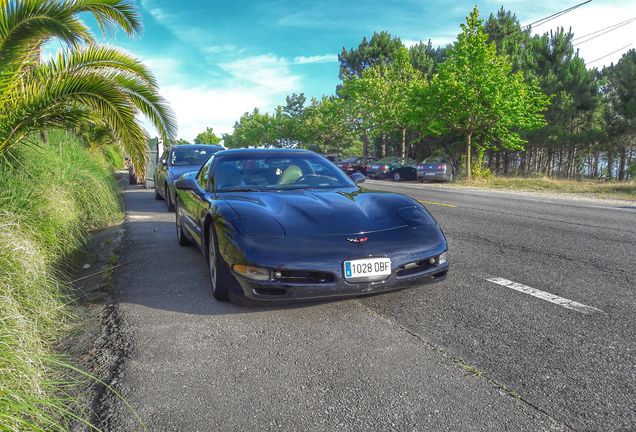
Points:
(547, 18)
(606, 30)
(542, 21)
(607, 55)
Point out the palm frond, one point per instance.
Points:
(27, 24)
(111, 14)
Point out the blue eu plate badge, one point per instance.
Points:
(348, 272)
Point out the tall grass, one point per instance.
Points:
(51, 196)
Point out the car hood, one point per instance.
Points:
(320, 212)
(178, 171)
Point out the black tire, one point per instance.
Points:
(169, 200)
(219, 273)
(158, 196)
(181, 237)
(396, 176)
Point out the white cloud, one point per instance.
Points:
(268, 72)
(327, 58)
(254, 82)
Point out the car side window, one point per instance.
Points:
(204, 172)
(164, 156)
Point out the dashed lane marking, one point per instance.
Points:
(543, 295)
(436, 203)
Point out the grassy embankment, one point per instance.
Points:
(50, 199)
(595, 188)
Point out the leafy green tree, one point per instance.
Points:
(85, 81)
(509, 37)
(554, 64)
(381, 48)
(252, 130)
(328, 127)
(181, 141)
(477, 94)
(207, 137)
(620, 96)
(423, 58)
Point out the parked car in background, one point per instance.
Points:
(264, 221)
(355, 164)
(176, 161)
(438, 168)
(331, 158)
(394, 168)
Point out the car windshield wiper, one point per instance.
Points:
(239, 189)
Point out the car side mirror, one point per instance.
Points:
(186, 184)
(358, 178)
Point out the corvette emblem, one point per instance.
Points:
(359, 240)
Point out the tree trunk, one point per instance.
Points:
(383, 146)
(610, 163)
(365, 144)
(506, 162)
(468, 161)
(597, 157)
(403, 148)
(621, 164)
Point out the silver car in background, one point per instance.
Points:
(437, 168)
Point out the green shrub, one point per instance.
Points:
(51, 196)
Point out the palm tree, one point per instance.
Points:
(85, 81)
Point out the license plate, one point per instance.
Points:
(367, 269)
(430, 173)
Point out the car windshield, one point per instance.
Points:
(436, 159)
(289, 171)
(387, 160)
(191, 156)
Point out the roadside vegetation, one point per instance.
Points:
(625, 190)
(498, 100)
(65, 123)
(51, 197)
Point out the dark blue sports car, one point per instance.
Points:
(288, 224)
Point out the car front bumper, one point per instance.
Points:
(273, 291)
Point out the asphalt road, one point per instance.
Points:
(465, 354)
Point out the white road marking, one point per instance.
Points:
(543, 295)
(138, 216)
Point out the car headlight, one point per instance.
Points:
(250, 272)
(442, 258)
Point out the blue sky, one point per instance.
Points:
(217, 59)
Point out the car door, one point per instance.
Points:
(161, 172)
(196, 203)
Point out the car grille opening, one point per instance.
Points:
(415, 268)
(270, 291)
(306, 277)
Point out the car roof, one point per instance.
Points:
(263, 151)
(195, 146)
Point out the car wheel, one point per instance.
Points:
(181, 238)
(168, 199)
(396, 176)
(158, 196)
(218, 272)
